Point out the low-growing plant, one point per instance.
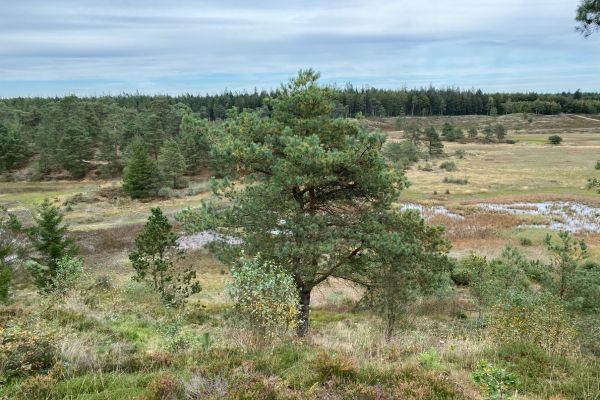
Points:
(498, 383)
(265, 296)
(166, 192)
(26, 351)
(535, 318)
(555, 139)
(448, 166)
(525, 241)
(597, 166)
(460, 153)
(456, 181)
(334, 365)
(430, 359)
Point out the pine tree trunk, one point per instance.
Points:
(304, 315)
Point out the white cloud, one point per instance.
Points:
(170, 45)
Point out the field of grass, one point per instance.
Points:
(117, 340)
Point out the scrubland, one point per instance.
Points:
(117, 340)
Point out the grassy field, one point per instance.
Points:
(119, 341)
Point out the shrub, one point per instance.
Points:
(460, 153)
(25, 351)
(597, 166)
(201, 386)
(525, 241)
(64, 277)
(401, 154)
(510, 141)
(166, 192)
(165, 387)
(430, 359)
(335, 366)
(37, 387)
(469, 269)
(427, 167)
(497, 382)
(448, 166)
(536, 318)
(456, 181)
(265, 296)
(554, 139)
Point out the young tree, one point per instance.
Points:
(488, 133)
(566, 255)
(49, 238)
(500, 132)
(13, 249)
(472, 132)
(308, 186)
(172, 163)
(156, 249)
(142, 176)
(434, 143)
(408, 259)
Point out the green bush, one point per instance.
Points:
(497, 382)
(597, 166)
(265, 296)
(448, 166)
(166, 192)
(525, 241)
(555, 139)
(63, 278)
(456, 181)
(535, 318)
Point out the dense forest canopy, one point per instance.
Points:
(77, 135)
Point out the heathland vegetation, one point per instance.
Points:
(288, 251)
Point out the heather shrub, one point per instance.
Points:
(25, 351)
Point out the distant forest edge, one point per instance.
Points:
(71, 137)
(370, 102)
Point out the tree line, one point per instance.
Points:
(76, 135)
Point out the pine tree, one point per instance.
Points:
(309, 185)
(111, 140)
(13, 148)
(434, 143)
(153, 257)
(172, 163)
(75, 148)
(408, 258)
(194, 142)
(142, 176)
(49, 237)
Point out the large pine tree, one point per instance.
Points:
(310, 186)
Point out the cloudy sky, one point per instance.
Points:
(85, 47)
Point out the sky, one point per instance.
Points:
(86, 47)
